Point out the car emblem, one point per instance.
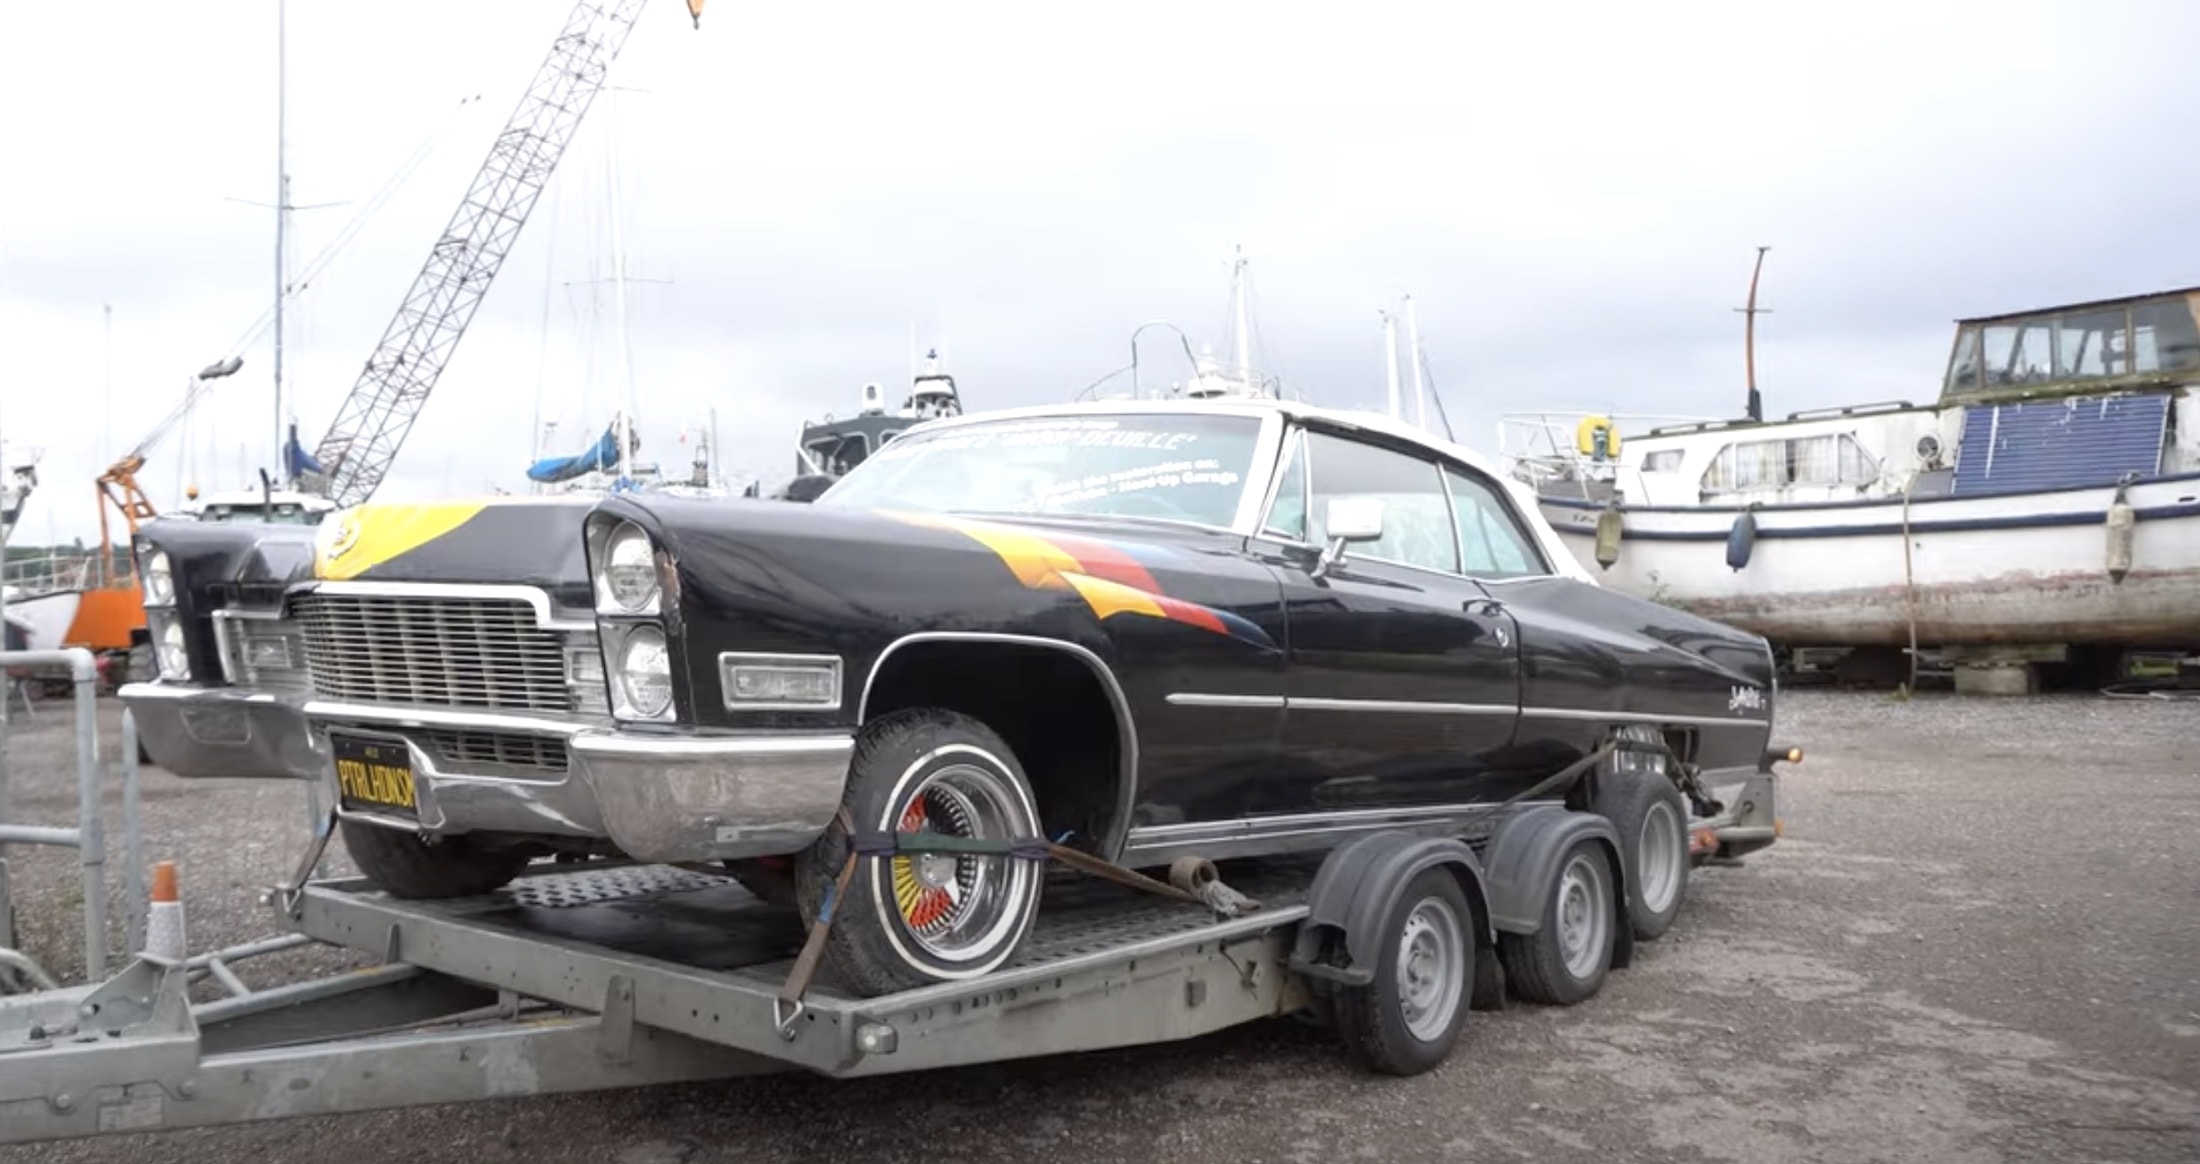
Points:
(347, 536)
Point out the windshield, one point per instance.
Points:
(1181, 467)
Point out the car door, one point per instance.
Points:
(1402, 675)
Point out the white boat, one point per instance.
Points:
(2049, 500)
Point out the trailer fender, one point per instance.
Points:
(1341, 939)
(1521, 864)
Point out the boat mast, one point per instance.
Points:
(618, 292)
(1413, 353)
(282, 221)
(1244, 330)
(1749, 337)
(1390, 354)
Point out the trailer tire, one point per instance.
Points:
(900, 925)
(1568, 957)
(405, 864)
(1646, 809)
(1407, 1017)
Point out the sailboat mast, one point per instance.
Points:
(1749, 338)
(1413, 354)
(282, 219)
(1240, 326)
(627, 404)
(1390, 355)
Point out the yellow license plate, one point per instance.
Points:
(374, 775)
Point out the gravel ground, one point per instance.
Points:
(1979, 941)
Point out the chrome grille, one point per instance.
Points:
(458, 749)
(435, 651)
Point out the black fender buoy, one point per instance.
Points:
(1740, 540)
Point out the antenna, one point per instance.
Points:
(1749, 337)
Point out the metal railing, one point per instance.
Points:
(89, 837)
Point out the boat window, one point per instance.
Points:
(1492, 543)
(1417, 524)
(1963, 371)
(2022, 352)
(1287, 514)
(2163, 338)
(2091, 343)
(1826, 460)
(1662, 461)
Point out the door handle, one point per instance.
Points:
(1483, 606)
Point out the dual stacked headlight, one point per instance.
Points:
(162, 621)
(630, 600)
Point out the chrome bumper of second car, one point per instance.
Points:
(224, 732)
(657, 797)
(706, 798)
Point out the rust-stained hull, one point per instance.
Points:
(1997, 570)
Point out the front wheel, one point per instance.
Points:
(404, 864)
(914, 919)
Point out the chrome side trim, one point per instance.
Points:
(728, 660)
(1156, 845)
(1294, 702)
(322, 711)
(1593, 715)
(1402, 705)
(1197, 699)
(1126, 794)
(534, 596)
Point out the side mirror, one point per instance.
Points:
(1348, 520)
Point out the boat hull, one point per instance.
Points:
(2013, 569)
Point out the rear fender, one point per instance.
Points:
(1522, 861)
(1341, 939)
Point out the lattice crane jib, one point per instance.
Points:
(372, 423)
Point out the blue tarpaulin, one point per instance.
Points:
(603, 458)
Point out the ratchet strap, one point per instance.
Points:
(1191, 879)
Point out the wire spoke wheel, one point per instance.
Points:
(955, 905)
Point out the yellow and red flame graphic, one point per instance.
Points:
(1111, 578)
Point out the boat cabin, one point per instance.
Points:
(2086, 347)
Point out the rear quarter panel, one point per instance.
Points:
(1591, 657)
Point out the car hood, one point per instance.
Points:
(532, 541)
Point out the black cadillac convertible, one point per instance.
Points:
(1143, 629)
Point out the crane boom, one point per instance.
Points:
(373, 421)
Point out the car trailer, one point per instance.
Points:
(597, 975)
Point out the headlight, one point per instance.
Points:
(627, 577)
(645, 674)
(160, 585)
(175, 660)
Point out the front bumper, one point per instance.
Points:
(690, 798)
(224, 731)
(657, 797)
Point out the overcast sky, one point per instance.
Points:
(1573, 193)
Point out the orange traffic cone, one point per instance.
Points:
(164, 920)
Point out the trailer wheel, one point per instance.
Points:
(404, 864)
(1405, 1020)
(911, 920)
(1567, 958)
(1646, 809)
